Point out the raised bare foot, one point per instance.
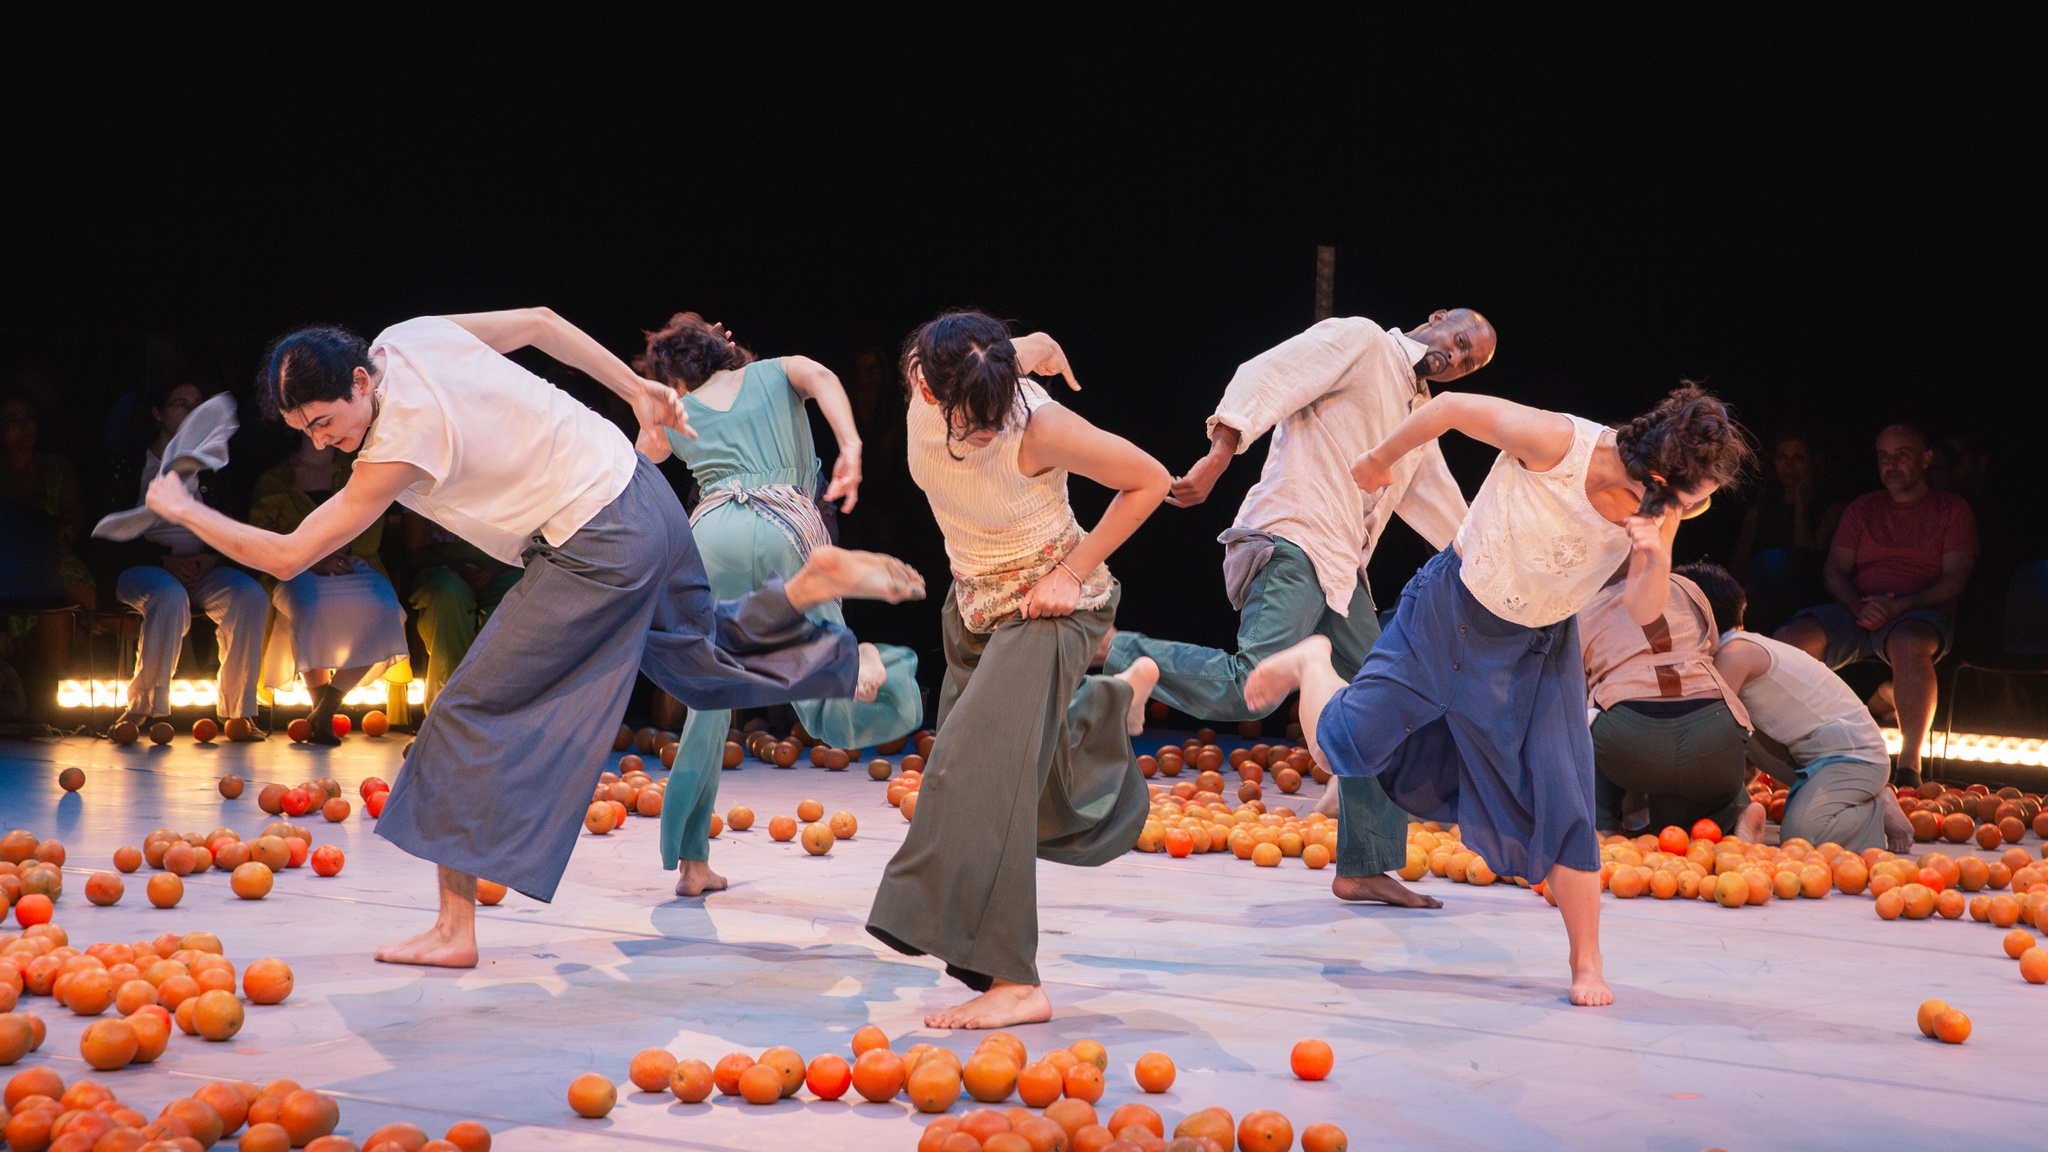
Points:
(1383, 889)
(1332, 803)
(1898, 830)
(1142, 676)
(1282, 672)
(695, 878)
(834, 573)
(435, 948)
(873, 675)
(1589, 986)
(1003, 1005)
(1749, 826)
(1102, 649)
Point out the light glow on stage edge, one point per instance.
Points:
(205, 694)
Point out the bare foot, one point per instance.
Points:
(1898, 830)
(1749, 826)
(1332, 803)
(695, 878)
(1589, 986)
(436, 948)
(1282, 672)
(872, 675)
(1003, 1005)
(834, 573)
(1142, 676)
(1102, 649)
(1383, 889)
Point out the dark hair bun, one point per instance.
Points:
(970, 365)
(688, 350)
(308, 366)
(1689, 439)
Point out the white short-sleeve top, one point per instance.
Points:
(507, 454)
(1533, 549)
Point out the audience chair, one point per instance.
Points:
(2024, 641)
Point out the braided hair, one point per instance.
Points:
(970, 366)
(688, 350)
(1689, 439)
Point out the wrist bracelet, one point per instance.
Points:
(1078, 582)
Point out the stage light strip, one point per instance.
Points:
(205, 694)
(1976, 748)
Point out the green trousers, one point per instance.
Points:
(1688, 767)
(1031, 763)
(1283, 607)
(449, 613)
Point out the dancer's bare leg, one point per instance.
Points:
(1578, 897)
(451, 942)
(872, 676)
(695, 878)
(1142, 676)
(834, 573)
(1749, 826)
(1003, 1005)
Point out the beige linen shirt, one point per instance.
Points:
(1329, 394)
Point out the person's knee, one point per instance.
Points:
(1912, 643)
(1805, 634)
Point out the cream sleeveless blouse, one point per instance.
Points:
(1004, 530)
(1533, 549)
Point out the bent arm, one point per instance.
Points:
(1537, 438)
(1840, 577)
(813, 381)
(1058, 437)
(329, 528)
(1647, 591)
(1955, 574)
(1739, 661)
(657, 407)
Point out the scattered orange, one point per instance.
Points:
(691, 1081)
(761, 1084)
(1154, 1072)
(933, 1085)
(810, 811)
(1264, 1130)
(307, 1115)
(868, 1036)
(2034, 965)
(651, 1069)
(818, 838)
(990, 1075)
(740, 819)
(828, 1077)
(108, 1045)
(781, 828)
(726, 1073)
(788, 1065)
(878, 1074)
(251, 881)
(1074, 1115)
(1311, 1059)
(489, 891)
(1039, 1084)
(1952, 1027)
(1214, 1123)
(218, 1016)
(1329, 1137)
(592, 1095)
(1136, 1115)
(1084, 1082)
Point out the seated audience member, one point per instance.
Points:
(455, 585)
(185, 572)
(1792, 511)
(1811, 732)
(1669, 734)
(46, 481)
(338, 621)
(1897, 562)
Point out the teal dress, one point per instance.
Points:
(763, 440)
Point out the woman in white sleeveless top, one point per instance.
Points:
(441, 421)
(1033, 757)
(1472, 708)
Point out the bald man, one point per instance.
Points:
(1294, 561)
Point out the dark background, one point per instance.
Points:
(1825, 224)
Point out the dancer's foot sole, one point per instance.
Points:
(1142, 676)
(1282, 672)
(873, 674)
(845, 574)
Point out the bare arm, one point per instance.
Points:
(1040, 355)
(656, 406)
(1648, 588)
(1840, 577)
(1193, 488)
(328, 529)
(1955, 574)
(1741, 661)
(1537, 438)
(814, 381)
(1060, 438)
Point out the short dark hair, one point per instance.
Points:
(688, 350)
(1908, 426)
(308, 366)
(1689, 438)
(1724, 593)
(971, 367)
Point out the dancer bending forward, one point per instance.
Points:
(755, 463)
(1472, 707)
(1033, 757)
(444, 423)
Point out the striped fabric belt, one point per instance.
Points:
(786, 506)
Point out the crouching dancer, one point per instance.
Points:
(441, 421)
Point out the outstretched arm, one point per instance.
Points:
(1537, 438)
(1058, 437)
(814, 381)
(326, 530)
(657, 407)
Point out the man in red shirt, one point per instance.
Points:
(1899, 559)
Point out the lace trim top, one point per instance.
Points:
(1534, 549)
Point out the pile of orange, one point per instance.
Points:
(1973, 815)
(251, 864)
(322, 796)
(1288, 763)
(182, 980)
(41, 1112)
(1188, 819)
(31, 876)
(628, 792)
